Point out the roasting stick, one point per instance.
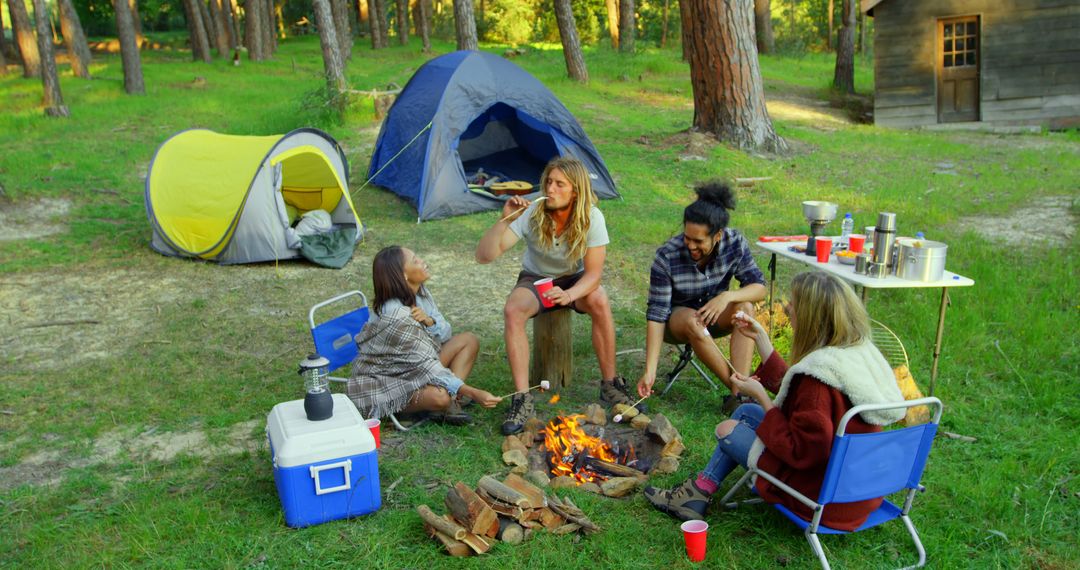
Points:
(515, 212)
(618, 417)
(544, 385)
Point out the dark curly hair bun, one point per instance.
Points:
(715, 200)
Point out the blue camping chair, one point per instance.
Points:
(863, 466)
(335, 339)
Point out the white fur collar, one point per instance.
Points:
(859, 371)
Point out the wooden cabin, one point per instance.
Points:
(1014, 62)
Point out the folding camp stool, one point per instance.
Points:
(686, 356)
(335, 339)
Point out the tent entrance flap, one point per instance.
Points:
(507, 142)
(308, 181)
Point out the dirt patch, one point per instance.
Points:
(1029, 224)
(30, 219)
(49, 467)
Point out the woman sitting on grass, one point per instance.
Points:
(834, 367)
(409, 361)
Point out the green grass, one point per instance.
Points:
(184, 347)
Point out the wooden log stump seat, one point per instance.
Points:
(553, 353)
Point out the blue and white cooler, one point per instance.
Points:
(325, 470)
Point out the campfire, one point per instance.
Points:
(570, 450)
(591, 453)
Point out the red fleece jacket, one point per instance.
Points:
(798, 439)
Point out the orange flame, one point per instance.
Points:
(566, 440)
(554, 399)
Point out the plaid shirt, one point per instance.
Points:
(676, 280)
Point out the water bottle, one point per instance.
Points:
(846, 228)
(920, 236)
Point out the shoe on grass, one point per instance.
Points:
(453, 416)
(685, 502)
(521, 409)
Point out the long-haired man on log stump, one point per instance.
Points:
(566, 239)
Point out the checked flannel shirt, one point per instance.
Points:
(676, 280)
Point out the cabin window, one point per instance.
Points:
(959, 44)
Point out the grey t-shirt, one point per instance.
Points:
(553, 262)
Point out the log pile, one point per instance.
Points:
(509, 511)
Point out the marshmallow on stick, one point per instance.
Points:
(544, 386)
(618, 417)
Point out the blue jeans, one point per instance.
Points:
(733, 450)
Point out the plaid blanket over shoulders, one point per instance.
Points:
(396, 358)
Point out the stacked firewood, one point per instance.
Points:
(509, 511)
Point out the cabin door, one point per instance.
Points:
(958, 69)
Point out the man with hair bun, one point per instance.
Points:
(689, 297)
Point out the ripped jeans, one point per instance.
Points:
(733, 450)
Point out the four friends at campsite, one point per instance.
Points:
(409, 361)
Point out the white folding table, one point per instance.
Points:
(847, 273)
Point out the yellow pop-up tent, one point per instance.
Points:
(234, 199)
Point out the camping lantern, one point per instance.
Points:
(318, 403)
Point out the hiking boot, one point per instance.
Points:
(615, 391)
(453, 416)
(521, 409)
(685, 502)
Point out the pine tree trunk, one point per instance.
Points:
(233, 21)
(465, 23)
(864, 23)
(53, 100)
(664, 28)
(221, 28)
(208, 28)
(268, 27)
(844, 76)
(425, 24)
(24, 37)
(140, 39)
(613, 21)
(253, 34)
(200, 45)
(340, 11)
(331, 43)
(403, 22)
(3, 43)
(684, 20)
(78, 49)
(627, 25)
(129, 49)
(831, 43)
(575, 62)
(373, 22)
(361, 16)
(763, 26)
(729, 99)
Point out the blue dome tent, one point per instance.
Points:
(468, 110)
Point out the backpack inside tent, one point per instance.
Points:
(469, 124)
(245, 199)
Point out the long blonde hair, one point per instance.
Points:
(827, 313)
(577, 227)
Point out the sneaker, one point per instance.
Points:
(453, 416)
(615, 391)
(685, 502)
(732, 401)
(521, 409)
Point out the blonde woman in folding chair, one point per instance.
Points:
(409, 361)
(834, 366)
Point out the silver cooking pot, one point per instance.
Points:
(920, 259)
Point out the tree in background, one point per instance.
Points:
(763, 26)
(54, 101)
(403, 22)
(465, 24)
(24, 38)
(332, 62)
(729, 100)
(844, 76)
(253, 32)
(228, 10)
(627, 25)
(221, 30)
(3, 60)
(129, 50)
(575, 62)
(424, 24)
(75, 39)
(379, 24)
(340, 11)
(140, 39)
(200, 44)
(612, 7)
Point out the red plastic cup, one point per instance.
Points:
(543, 286)
(373, 425)
(694, 533)
(856, 243)
(823, 245)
